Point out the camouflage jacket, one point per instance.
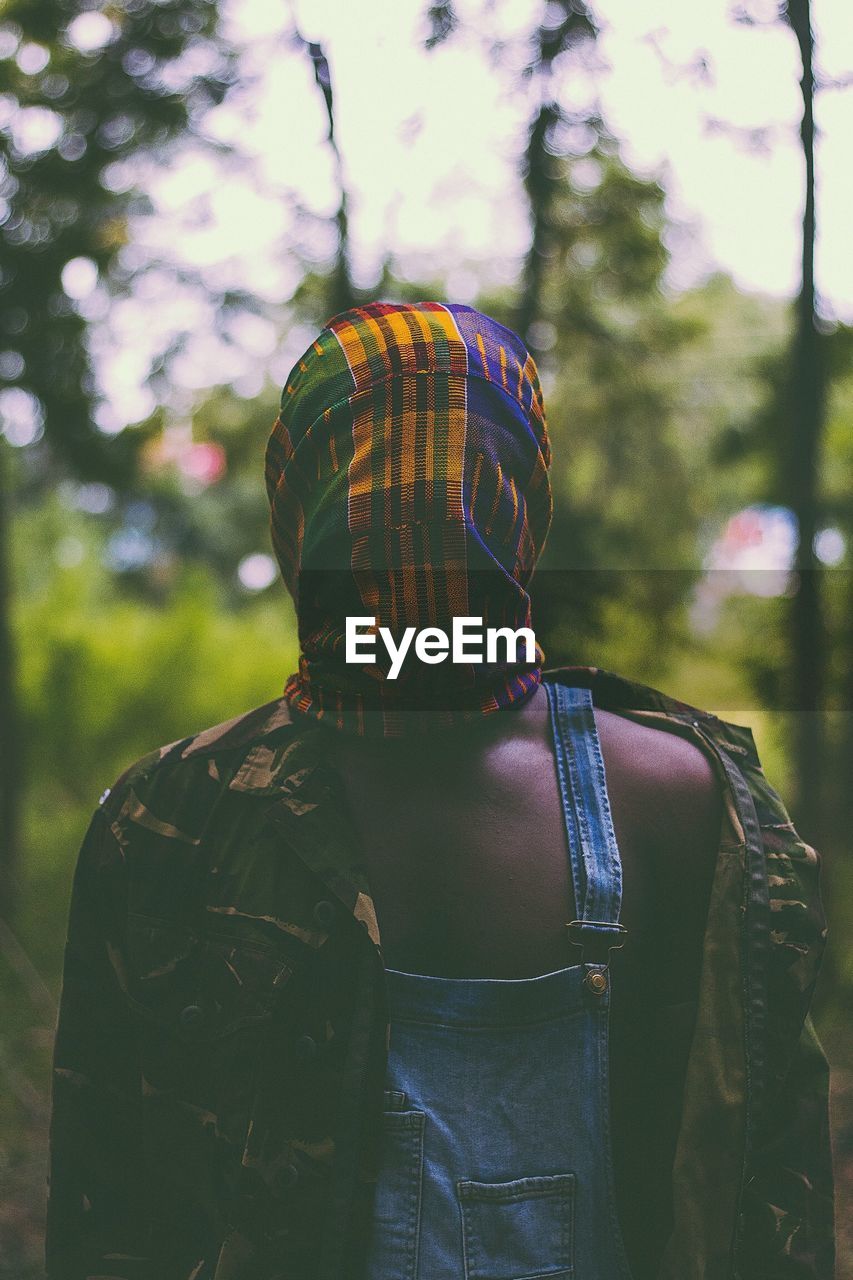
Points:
(222, 1036)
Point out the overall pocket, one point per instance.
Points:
(518, 1230)
(397, 1206)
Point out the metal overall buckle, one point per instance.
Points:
(596, 939)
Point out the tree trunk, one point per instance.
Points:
(842, 808)
(807, 420)
(538, 184)
(342, 293)
(10, 751)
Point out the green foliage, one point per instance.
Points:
(106, 107)
(665, 414)
(106, 679)
(719, 377)
(606, 334)
(591, 306)
(212, 525)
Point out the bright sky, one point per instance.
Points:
(430, 144)
(428, 138)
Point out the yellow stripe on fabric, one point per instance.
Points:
(396, 321)
(454, 561)
(383, 430)
(481, 347)
(429, 456)
(408, 459)
(374, 329)
(447, 323)
(424, 325)
(409, 579)
(496, 500)
(381, 426)
(475, 483)
(359, 473)
(537, 406)
(419, 423)
(402, 332)
(351, 341)
(526, 551)
(457, 423)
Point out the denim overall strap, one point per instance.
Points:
(496, 1158)
(593, 853)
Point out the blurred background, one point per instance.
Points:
(657, 196)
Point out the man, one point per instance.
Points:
(247, 900)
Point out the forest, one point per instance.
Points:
(160, 271)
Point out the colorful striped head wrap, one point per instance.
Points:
(407, 474)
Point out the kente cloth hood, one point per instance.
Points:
(407, 474)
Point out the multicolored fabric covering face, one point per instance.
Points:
(408, 479)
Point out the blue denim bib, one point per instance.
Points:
(496, 1156)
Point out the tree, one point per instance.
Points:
(807, 388)
(92, 94)
(796, 403)
(591, 309)
(566, 28)
(341, 291)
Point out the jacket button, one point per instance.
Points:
(191, 1019)
(306, 1048)
(286, 1177)
(324, 914)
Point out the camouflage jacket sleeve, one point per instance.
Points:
(96, 1205)
(787, 1222)
(789, 1196)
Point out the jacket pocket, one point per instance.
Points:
(200, 988)
(397, 1205)
(203, 1011)
(518, 1230)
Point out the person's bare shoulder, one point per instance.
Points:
(659, 764)
(667, 788)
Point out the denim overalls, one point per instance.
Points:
(496, 1158)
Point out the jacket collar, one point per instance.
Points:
(280, 758)
(285, 763)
